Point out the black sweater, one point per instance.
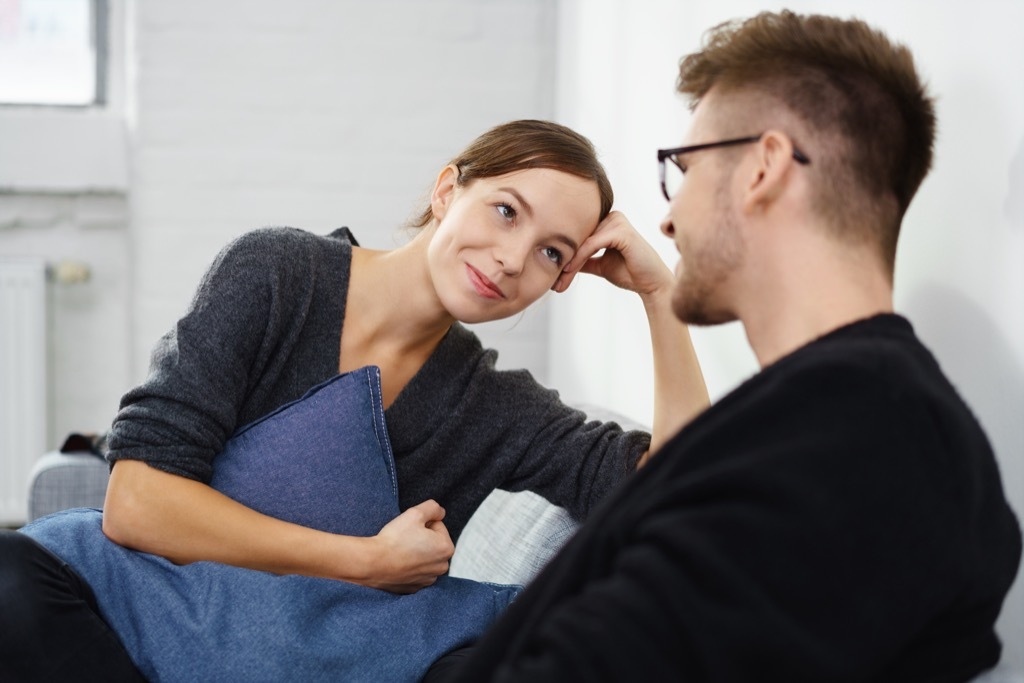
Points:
(265, 326)
(839, 517)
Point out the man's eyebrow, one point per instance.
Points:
(565, 239)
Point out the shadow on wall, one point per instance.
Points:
(1013, 208)
(987, 372)
(982, 364)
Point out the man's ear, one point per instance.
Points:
(768, 173)
(444, 191)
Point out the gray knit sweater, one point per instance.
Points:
(265, 326)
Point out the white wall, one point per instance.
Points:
(959, 274)
(316, 114)
(63, 185)
(231, 115)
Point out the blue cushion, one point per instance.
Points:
(323, 461)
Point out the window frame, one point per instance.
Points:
(74, 148)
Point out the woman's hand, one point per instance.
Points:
(413, 549)
(628, 261)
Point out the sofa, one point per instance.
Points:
(507, 541)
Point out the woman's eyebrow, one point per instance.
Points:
(568, 241)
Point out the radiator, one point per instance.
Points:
(23, 381)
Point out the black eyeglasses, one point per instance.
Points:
(672, 155)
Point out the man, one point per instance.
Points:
(839, 516)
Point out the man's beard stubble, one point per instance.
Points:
(705, 267)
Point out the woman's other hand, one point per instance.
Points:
(413, 549)
(628, 261)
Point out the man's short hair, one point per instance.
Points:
(859, 96)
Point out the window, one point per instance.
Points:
(52, 52)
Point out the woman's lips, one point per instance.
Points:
(482, 285)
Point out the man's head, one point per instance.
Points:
(844, 96)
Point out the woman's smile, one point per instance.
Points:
(483, 286)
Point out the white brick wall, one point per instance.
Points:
(312, 113)
(88, 322)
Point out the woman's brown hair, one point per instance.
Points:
(520, 145)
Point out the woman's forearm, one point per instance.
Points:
(680, 393)
(630, 262)
(187, 521)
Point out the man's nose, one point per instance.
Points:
(667, 228)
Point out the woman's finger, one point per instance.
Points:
(607, 237)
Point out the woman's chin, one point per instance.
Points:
(472, 315)
(477, 317)
(472, 308)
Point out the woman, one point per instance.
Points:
(522, 210)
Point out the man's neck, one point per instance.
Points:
(802, 298)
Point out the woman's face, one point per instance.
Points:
(500, 243)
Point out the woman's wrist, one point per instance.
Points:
(658, 300)
(355, 559)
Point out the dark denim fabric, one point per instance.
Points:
(323, 461)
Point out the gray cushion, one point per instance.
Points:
(1003, 673)
(511, 536)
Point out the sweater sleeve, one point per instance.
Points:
(204, 370)
(570, 460)
(462, 428)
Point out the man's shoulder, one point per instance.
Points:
(879, 358)
(875, 398)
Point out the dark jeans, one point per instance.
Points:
(50, 627)
(446, 668)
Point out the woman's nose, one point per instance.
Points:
(511, 256)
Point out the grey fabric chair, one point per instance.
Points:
(1003, 673)
(508, 540)
(59, 481)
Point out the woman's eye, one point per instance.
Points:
(507, 212)
(553, 255)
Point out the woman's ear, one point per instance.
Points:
(444, 191)
(767, 176)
